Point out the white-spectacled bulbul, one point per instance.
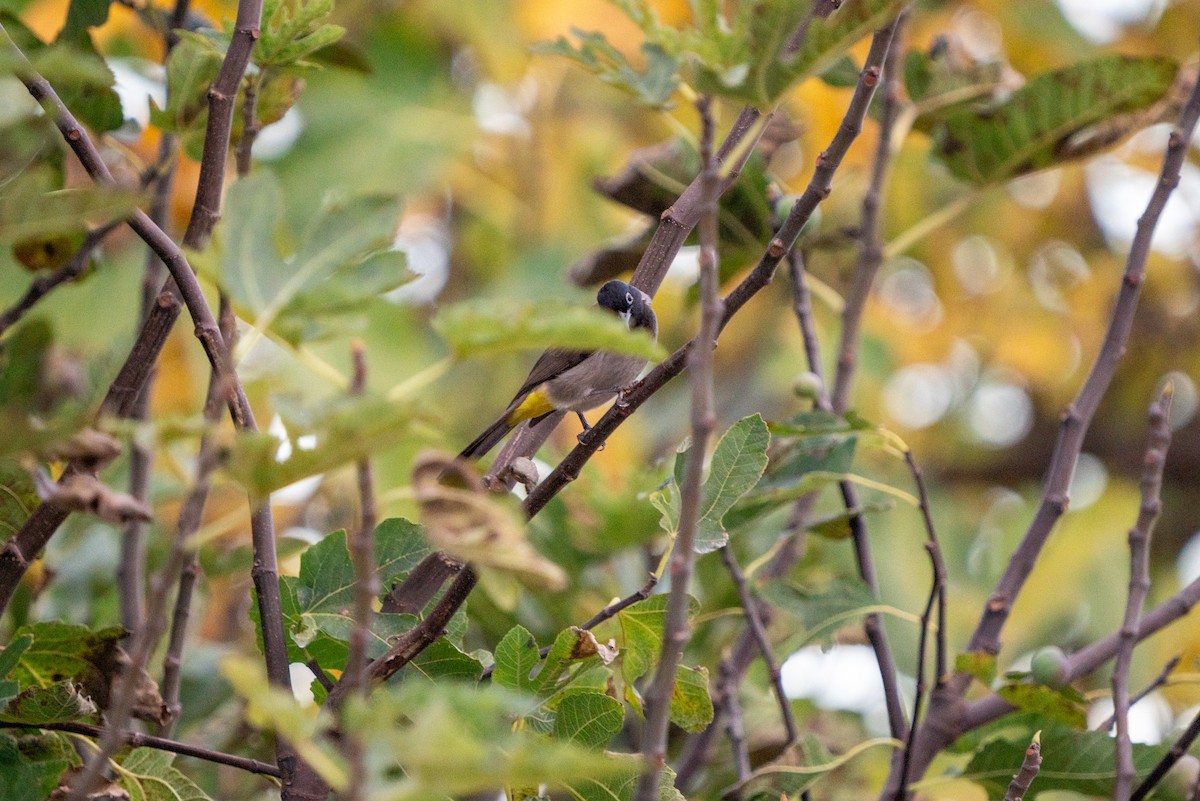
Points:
(573, 380)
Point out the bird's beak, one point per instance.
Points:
(627, 317)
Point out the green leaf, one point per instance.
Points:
(342, 431)
(841, 600)
(34, 207)
(292, 30)
(666, 500)
(488, 327)
(652, 86)
(1032, 129)
(978, 664)
(622, 784)
(443, 660)
(318, 603)
(516, 656)
(67, 652)
(1065, 704)
(191, 68)
(149, 773)
(638, 632)
(748, 58)
(325, 282)
(587, 718)
(81, 15)
(456, 740)
(58, 703)
(737, 464)
(1077, 761)
(939, 80)
(18, 499)
(842, 74)
(691, 704)
(32, 764)
(13, 651)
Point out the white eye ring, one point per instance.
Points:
(629, 298)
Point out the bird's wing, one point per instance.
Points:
(551, 363)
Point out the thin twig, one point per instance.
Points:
(138, 740)
(727, 681)
(1160, 680)
(754, 622)
(191, 515)
(221, 98)
(361, 545)
(43, 285)
(1028, 772)
(676, 631)
(935, 602)
(251, 125)
(802, 308)
(1157, 443)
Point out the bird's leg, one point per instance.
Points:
(587, 427)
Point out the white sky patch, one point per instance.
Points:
(844, 677)
(1102, 20)
(1118, 193)
(424, 239)
(1149, 719)
(137, 82)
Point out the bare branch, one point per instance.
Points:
(1139, 585)
(138, 740)
(1028, 772)
(676, 631)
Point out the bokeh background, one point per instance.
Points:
(977, 336)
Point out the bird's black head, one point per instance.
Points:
(617, 296)
(631, 303)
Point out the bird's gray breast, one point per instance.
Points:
(593, 381)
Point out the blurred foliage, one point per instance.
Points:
(431, 181)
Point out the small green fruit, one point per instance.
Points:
(1049, 667)
(808, 385)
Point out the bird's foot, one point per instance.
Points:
(587, 429)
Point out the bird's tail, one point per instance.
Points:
(487, 440)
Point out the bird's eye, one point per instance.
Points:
(629, 298)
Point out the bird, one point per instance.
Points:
(575, 380)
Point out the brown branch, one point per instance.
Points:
(43, 285)
(869, 258)
(676, 630)
(138, 740)
(251, 125)
(221, 98)
(758, 630)
(1028, 772)
(1139, 585)
(299, 781)
(361, 544)
(421, 584)
(802, 308)
(191, 515)
(727, 681)
(935, 601)
(1079, 413)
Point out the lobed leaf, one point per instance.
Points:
(1031, 129)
